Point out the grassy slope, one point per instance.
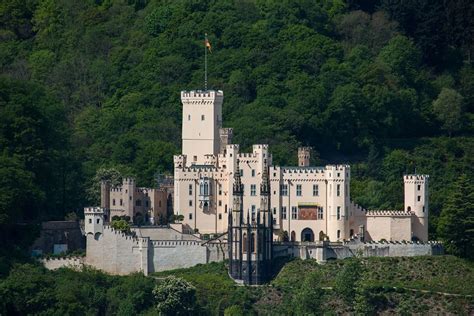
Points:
(216, 291)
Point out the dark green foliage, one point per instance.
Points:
(309, 298)
(456, 222)
(347, 280)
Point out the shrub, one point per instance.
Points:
(175, 296)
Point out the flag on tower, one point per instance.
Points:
(208, 44)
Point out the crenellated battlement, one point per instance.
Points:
(415, 177)
(394, 213)
(199, 97)
(93, 210)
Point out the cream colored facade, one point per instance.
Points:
(132, 201)
(308, 203)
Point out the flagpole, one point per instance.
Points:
(205, 65)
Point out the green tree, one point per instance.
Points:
(347, 279)
(175, 296)
(448, 109)
(309, 298)
(456, 221)
(120, 225)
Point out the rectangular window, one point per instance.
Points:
(294, 212)
(253, 190)
(298, 190)
(138, 203)
(113, 201)
(274, 211)
(241, 172)
(338, 213)
(190, 189)
(423, 209)
(283, 212)
(202, 117)
(338, 234)
(284, 189)
(220, 216)
(90, 220)
(338, 190)
(98, 221)
(253, 172)
(190, 215)
(253, 212)
(220, 203)
(220, 189)
(320, 213)
(190, 202)
(189, 117)
(419, 198)
(121, 202)
(418, 187)
(315, 190)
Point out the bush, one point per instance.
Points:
(175, 296)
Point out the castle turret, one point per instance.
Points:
(105, 194)
(94, 220)
(128, 191)
(416, 201)
(304, 155)
(202, 120)
(338, 180)
(226, 135)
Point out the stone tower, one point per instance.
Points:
(202, 120)
(226, 135)
(338, 201)
(304, 155)
(250, 241)
(94, 220)
(416, 201)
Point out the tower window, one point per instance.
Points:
(241, 172)
(284, 189)
(202, 117)
(190, 215)
(315, 190)
(98, 221)
(253, 172)
(121, 202)
(338, 234)
(419, 198)
(294, 212)
(220, 203)
(423, 209)
(338, 190)
(298, 189)
(338, 213)
(90, 221)
(253, 212)
(113, 201)
(220, 216)
(283, 212)
(190, 202)
(190, 189)
(274, 211)
(189, 117)
(418, 187)
(253, 189)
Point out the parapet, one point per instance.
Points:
(126, 181)
(201, 97)
(394, 213)
(415, 177)
(93, 210)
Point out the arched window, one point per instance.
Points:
(252, 243)
(244, 244)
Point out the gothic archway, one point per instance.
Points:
(307, 235)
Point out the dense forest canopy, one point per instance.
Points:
(387, 86)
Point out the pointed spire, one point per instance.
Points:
(265, 185)
(238, 189)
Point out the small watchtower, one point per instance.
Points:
(416, 201)
(304, 156)
(94, 220)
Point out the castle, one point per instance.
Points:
(258, 209)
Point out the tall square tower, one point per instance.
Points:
(202, 119)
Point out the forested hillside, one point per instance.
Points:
(387, 87)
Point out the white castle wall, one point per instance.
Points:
(56, 263)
